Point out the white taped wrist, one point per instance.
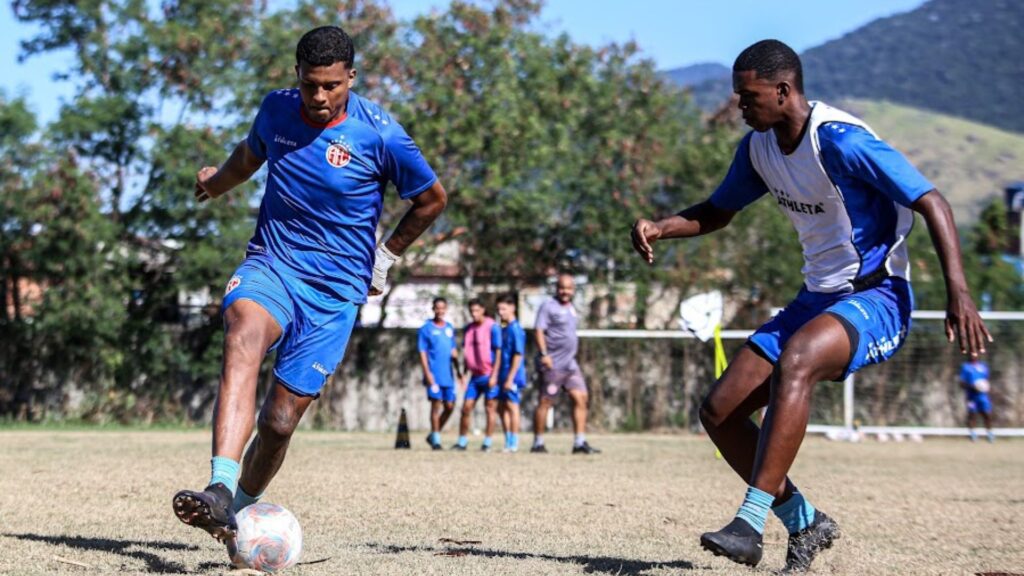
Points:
(382, 262)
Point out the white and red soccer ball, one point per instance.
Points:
(269, 537)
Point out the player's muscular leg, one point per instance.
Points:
(725, 413)
(579, 410)
(435, 415)
(249, 332)
(540, 416)
(279, 416)
(446, 413)
(492, 416)
(467, 414)
(818, 351)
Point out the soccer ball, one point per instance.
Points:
(269, 538)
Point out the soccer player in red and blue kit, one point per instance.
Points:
(309, 265)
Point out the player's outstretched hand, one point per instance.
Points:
(643, 234)
(204, 175)
(964, 324)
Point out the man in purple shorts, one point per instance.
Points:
(557, 366)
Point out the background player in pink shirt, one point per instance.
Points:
(481, 347)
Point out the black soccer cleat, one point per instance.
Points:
(433, 445)
(585, 449)
(738, 542)
(458, 448)
(805, 544)
(210, 510)
(485, 447)
(539, 449)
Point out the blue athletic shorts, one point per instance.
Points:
(876, 319)
(315, 324)
(979, 404)
(510, 396)
(478, 388)
(442, 393)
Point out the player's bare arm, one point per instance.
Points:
(428, 378)
(542, 345)
(510, 382)
(962, 319)
(240, 166)
(426, 207)
(696, 220)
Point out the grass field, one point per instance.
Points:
(89, 503)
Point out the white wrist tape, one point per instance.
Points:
(382, 262)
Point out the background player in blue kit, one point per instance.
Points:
(309, 264)
(512, 371)
(852, 200)
(975, 381)
(438, 351)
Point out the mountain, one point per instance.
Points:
(957, 57)
(696, 73)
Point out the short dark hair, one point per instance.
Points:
(324, 46)
(769, 58)
(438, 299)
(475, 302)
(508, 298)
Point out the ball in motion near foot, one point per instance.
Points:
(269, 538)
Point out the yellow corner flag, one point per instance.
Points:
(720, 364)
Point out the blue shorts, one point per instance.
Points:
(315, 324)
(510, 396)
(478, 388)
(876, 319)
(979, 404)
(442, 393)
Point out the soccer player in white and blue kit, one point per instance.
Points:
(852, 199)
(309, 265)
(438, 350)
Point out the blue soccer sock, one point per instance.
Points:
(515, 440)
(463, 441)
(435, 438)
(755, 508)
(243, 499)
(991, 437)
(508, 439)
(487, 441)
(796, 513)
(225, 471)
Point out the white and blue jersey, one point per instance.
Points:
(325, 188)
(438, 342)
(848, 194)
(845, 190)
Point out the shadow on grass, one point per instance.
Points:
(591, 564)
(137, 549)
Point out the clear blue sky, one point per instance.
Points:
(672, 32)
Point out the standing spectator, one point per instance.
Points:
(557, 366)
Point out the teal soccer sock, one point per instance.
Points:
(515, 441)
(435, 438)
(796, 513)
(225, 471)
(463, 441)
(243, 499)
(755, 508)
